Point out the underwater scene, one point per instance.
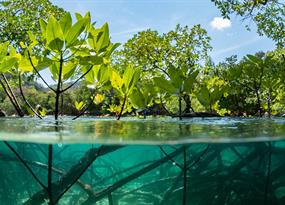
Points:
(136, 161)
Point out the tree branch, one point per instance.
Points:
(13, 95)
(25, 165)
(80, 46)
(24, 98)
(10, 98)
(70, 177)
(103, 193)
(41, 77)
(82, 76)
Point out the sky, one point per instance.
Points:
(127, 17)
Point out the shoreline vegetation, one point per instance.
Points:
(167, 73)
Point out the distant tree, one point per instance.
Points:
(18, 20)
(268, 15)
(17, 17)
(255, 84)
(174, 56)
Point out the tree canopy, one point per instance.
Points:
(269, 15)
(17, 17)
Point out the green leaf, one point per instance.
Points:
(25, 65)
(88, 19)
(65, 23)
(89, 77)
(165, 85)
(99, 98)
(87, 15)
(90, 60)
(54, 34)
(137, 99)
(43, 62)
(79, 105)
(78, 16)
(3, 49)
(204, 96)
(103, 75)
(116, 81)
(254, 59)
(7, 63)
(32, 38)
(175, 77)
(68, 70)
(83, 51)
(42, 112)
(54, 70)
(56, 44)
(92, 36)
(43, 26)
(103, 39)
(216, 94)
(134, 80)
(189, 82)
(111, 49)
(128, 75)
(74, 32)
(12, 51)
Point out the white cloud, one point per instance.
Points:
(220, 23)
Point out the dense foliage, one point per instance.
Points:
(152, 73)
(268, 15)
(18, 20)
(17, 17)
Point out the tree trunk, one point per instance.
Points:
(63, 184)
(258, 103)
(11, 96)
(180, 109)
(2, 113)
(58, 90)
(187, 100)
(122, 108)
(25, 100)
(269, 102)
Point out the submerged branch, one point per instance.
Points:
(66, 181)
(267, 182)
(86, 187)
(25, 165)
(170, 158)
(105, 192)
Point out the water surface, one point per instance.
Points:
(161, 161)
(142, 131)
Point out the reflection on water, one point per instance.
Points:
(138, 131)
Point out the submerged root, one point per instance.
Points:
(66, 181)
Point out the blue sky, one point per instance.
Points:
(127, 17)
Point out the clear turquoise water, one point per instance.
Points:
(154, 161)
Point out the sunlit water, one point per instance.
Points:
(153, 161)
